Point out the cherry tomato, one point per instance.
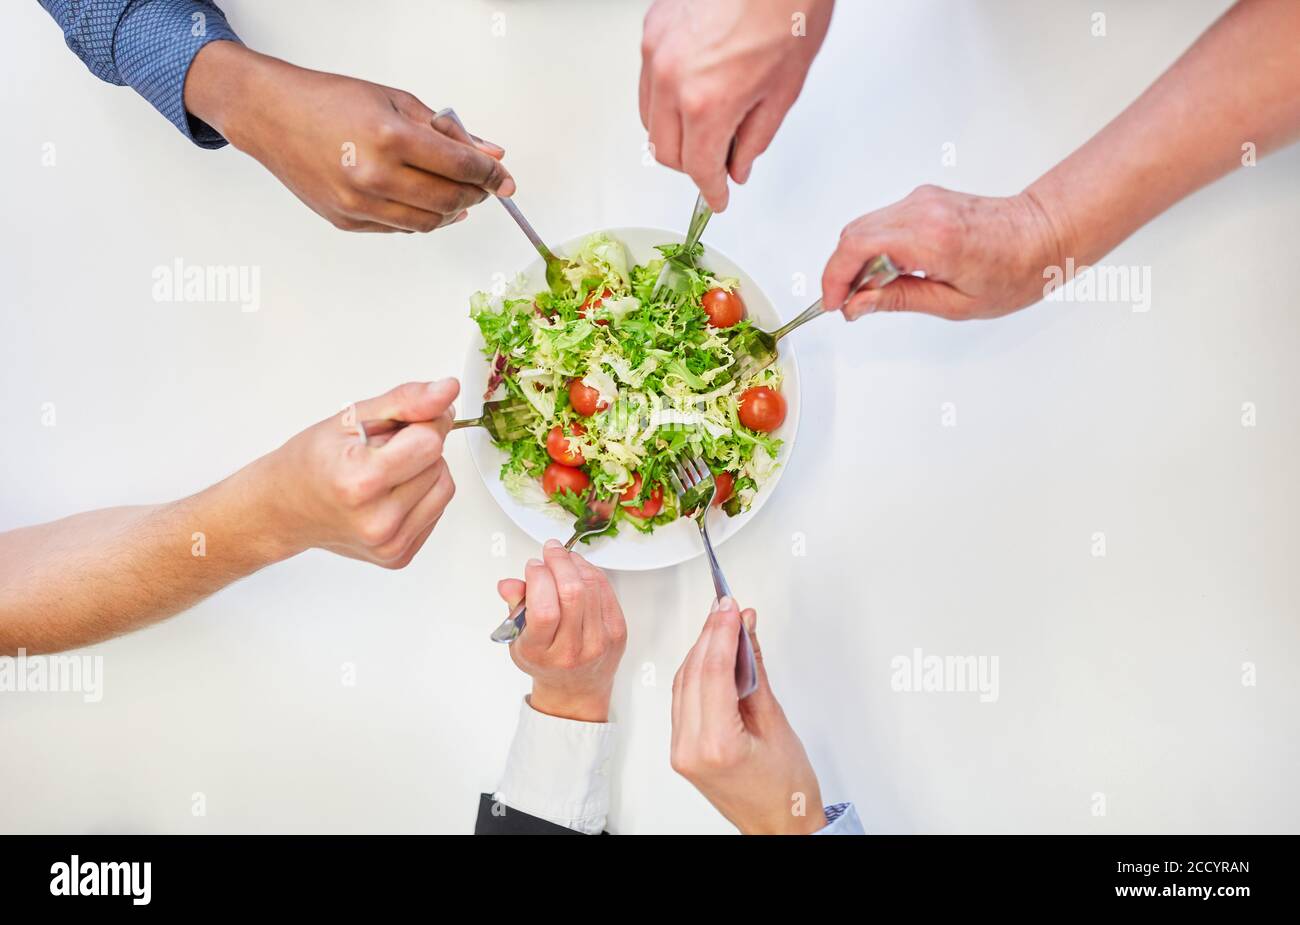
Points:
(558, 478)
(585, 400)
(726, 483)
(723, 308)
(557, 445)
(653, 504)
(762, 408)
(593, 302)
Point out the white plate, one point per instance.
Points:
(670, 544)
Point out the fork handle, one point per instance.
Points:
(877, 273)
(514, 624)
(746, 664)
(524, 225)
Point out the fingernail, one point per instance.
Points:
(553, 544)
(507, 187)
(460, 218)
(724, 603)
(452, 412)
(439, 384)
(535, 563)
(750, 619)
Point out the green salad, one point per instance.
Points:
(613, 386)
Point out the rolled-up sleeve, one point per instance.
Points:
(147, 45)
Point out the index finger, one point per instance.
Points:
(572, 593)
(432, 150)
(704, 158)
(543, 607)
(412, 401)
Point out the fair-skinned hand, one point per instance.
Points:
(741, 754)
(363, 156)
(983, 257)
(378, 502)
(322, 489)
(723, 69)
(574, 637)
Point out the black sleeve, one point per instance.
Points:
(498, 819)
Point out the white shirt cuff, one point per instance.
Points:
(558, 770)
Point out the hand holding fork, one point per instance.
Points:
(696, 488)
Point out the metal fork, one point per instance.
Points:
(595, 518)
(695, 486)
(672, 275)
(555, 278)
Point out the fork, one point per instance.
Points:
(695, 486)
(757, 349)
(595, 518)
(555, 278)
(505, 420)
(671, 274)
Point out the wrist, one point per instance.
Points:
(583, 706)
(1054, 236)
(266, 504)
(814, 820)
(220, 88)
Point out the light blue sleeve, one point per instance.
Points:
(147, 45)
(842, 819)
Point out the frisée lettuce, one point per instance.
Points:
(653, 379)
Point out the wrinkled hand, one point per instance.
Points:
(574, 636)
(363, 156)
(378, 502)
(722, 69)
(741, 754)
(983, 257)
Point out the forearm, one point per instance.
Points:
(95, 575)
(1238, 85)
(148, 45)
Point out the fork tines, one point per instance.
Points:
(689, 475)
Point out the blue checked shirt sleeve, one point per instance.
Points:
(147, 45)
(841, 819)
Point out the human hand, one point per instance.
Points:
(377, 502)
(363, 156)
(723, 69)
(983, 257)
(574, 637)
(741, 754)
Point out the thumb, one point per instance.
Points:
(512, 591)
(910, 294)
(411, 402)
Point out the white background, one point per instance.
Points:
(1118, 675)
